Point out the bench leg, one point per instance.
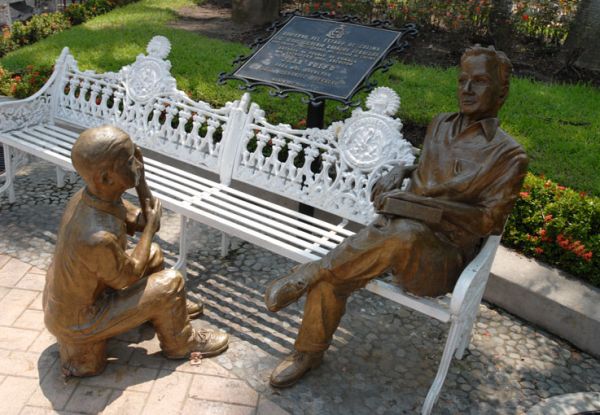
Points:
(9, 175)
(440, 377)
(60, 177)
(225, 244)
(183, 247)
(466, 332)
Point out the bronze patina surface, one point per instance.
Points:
(96, 288)
(467, 180)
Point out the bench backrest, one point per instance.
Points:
(143, 100)
(332, 169)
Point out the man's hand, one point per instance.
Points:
(391, 181)
(153, 215)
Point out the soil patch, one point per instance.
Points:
(213, 19)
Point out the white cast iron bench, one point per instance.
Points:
(332, 170)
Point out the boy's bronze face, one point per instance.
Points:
(480, 93)
(126, 168)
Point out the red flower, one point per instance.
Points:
(548, 218)
(587, 256)
(539, 250)
(525, 17)
(582, 194)
(562, 188)
(524, 195)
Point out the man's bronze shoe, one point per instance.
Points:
(293, 367)
(286, 290)
(194, 308)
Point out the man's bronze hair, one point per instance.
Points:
(96, 149)
(500, 59)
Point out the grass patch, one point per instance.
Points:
(557, 124)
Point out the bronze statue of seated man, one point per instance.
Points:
(462, 189)
(95, 287)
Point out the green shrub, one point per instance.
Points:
(43, 25)
(38, 27)
(557, 225)
(6, 45)
(77, 13)
(19, 33)
(97, 7)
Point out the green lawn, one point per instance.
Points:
(559, 125)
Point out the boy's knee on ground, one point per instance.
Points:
(86, 359)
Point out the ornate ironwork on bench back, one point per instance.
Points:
(332, 169)
(142, 99)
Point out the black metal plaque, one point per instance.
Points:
(324, 57)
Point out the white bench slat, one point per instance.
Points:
(248, 210)
(421, 304)
(251, 219)
(269, 206)
(37, 149)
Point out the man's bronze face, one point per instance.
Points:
(480, 93)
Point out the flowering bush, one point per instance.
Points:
(557, 225)
(547, 20)
(25, 83)
(38, 27)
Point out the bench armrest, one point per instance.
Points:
(23, 113)
(35, 109)
(471, 284)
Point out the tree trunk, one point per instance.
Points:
(500, 26)
(582, 46)
(255, 12)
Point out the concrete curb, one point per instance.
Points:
(546, 297)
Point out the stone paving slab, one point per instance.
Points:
(382, 361)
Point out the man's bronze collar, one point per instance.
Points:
(116, 209)
(489, 126)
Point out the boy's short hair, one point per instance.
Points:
(97, 149)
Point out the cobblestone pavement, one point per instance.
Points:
(382, 361)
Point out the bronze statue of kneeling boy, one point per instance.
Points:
(95, 287)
